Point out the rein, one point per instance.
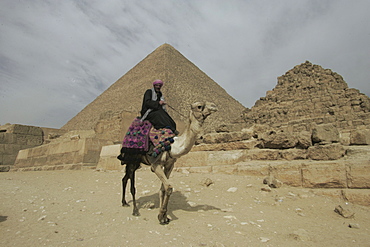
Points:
(176, 111)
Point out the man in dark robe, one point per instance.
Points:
(154, 108)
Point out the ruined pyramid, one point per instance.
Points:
(310, 94)
(185, 84)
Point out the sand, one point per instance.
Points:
(83, 208)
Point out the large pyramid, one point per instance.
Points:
(185, 84)
(310, 94)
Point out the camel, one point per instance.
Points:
(163, 164)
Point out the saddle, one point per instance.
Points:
(142, 138)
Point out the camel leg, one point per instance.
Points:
(130, 174)
(133, 192)
(124, 183)
(165, 191)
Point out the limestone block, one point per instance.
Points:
(39, 151)
(33, 140)
(361, 197)
(326, 152)
(7, 138)
(288, 173)
(225, 157)
(21, 139)
(325, 133)
(225, 169)
(9, 159)
(91, 156)
(252, 169)
(360, 137)
(11, 148)
(263, 154)
(293, 154)
(2, 148)
(226, 137)
(249, 144)
(324, 175)
(304, 139)
(108, 158)
(345, 138)
(358, 175)
(23, 154)
(280, 140)
(19, 129)
(193, 159)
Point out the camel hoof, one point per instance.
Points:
(136, 213)
(163, 220)
(125, 204)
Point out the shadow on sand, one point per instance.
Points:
(3, 218)
(177, 202)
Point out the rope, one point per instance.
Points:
(175, 110)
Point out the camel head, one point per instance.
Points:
(201, 110)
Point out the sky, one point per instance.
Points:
(56, 57)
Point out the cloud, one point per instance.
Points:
(58, 56)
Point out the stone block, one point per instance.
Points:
(358, 174)
(7, 138)
(252, 169)
(360, 197)
(9, 159)
(21, 139)
(360, 137)
(325, 133)
(288, 173)
(293, 154)
(225, 169)
(225, 157)
(280, 140)
(304, 139)
(324, 175)
(11, 148)
(193, 159)
(34, 140)
(263, 154)
(326, 152)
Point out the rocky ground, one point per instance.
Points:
(82, 208)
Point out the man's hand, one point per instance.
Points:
(161, 102)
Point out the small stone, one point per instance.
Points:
(264, 240)
(232, 189)
(266, 188)
(354, 225)
(301, 235)
(207, 182)
(345, 212)
(42, 218)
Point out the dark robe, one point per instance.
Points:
(158, 116)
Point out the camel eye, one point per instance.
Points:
(199, 107)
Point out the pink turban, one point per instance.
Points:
(157, 82)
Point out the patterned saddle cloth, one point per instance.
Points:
(141, 133)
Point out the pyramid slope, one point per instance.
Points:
(185, 84)
(309, 94)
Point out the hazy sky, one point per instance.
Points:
(58, 56)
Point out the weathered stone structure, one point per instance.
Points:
(15, 137)
(309, 94)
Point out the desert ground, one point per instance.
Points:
(83, 208)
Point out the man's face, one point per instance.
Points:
(157, 87)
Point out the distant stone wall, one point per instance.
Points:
(15, 137)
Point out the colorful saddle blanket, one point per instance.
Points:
(161, 139)
(136, 139)
(139, 135)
